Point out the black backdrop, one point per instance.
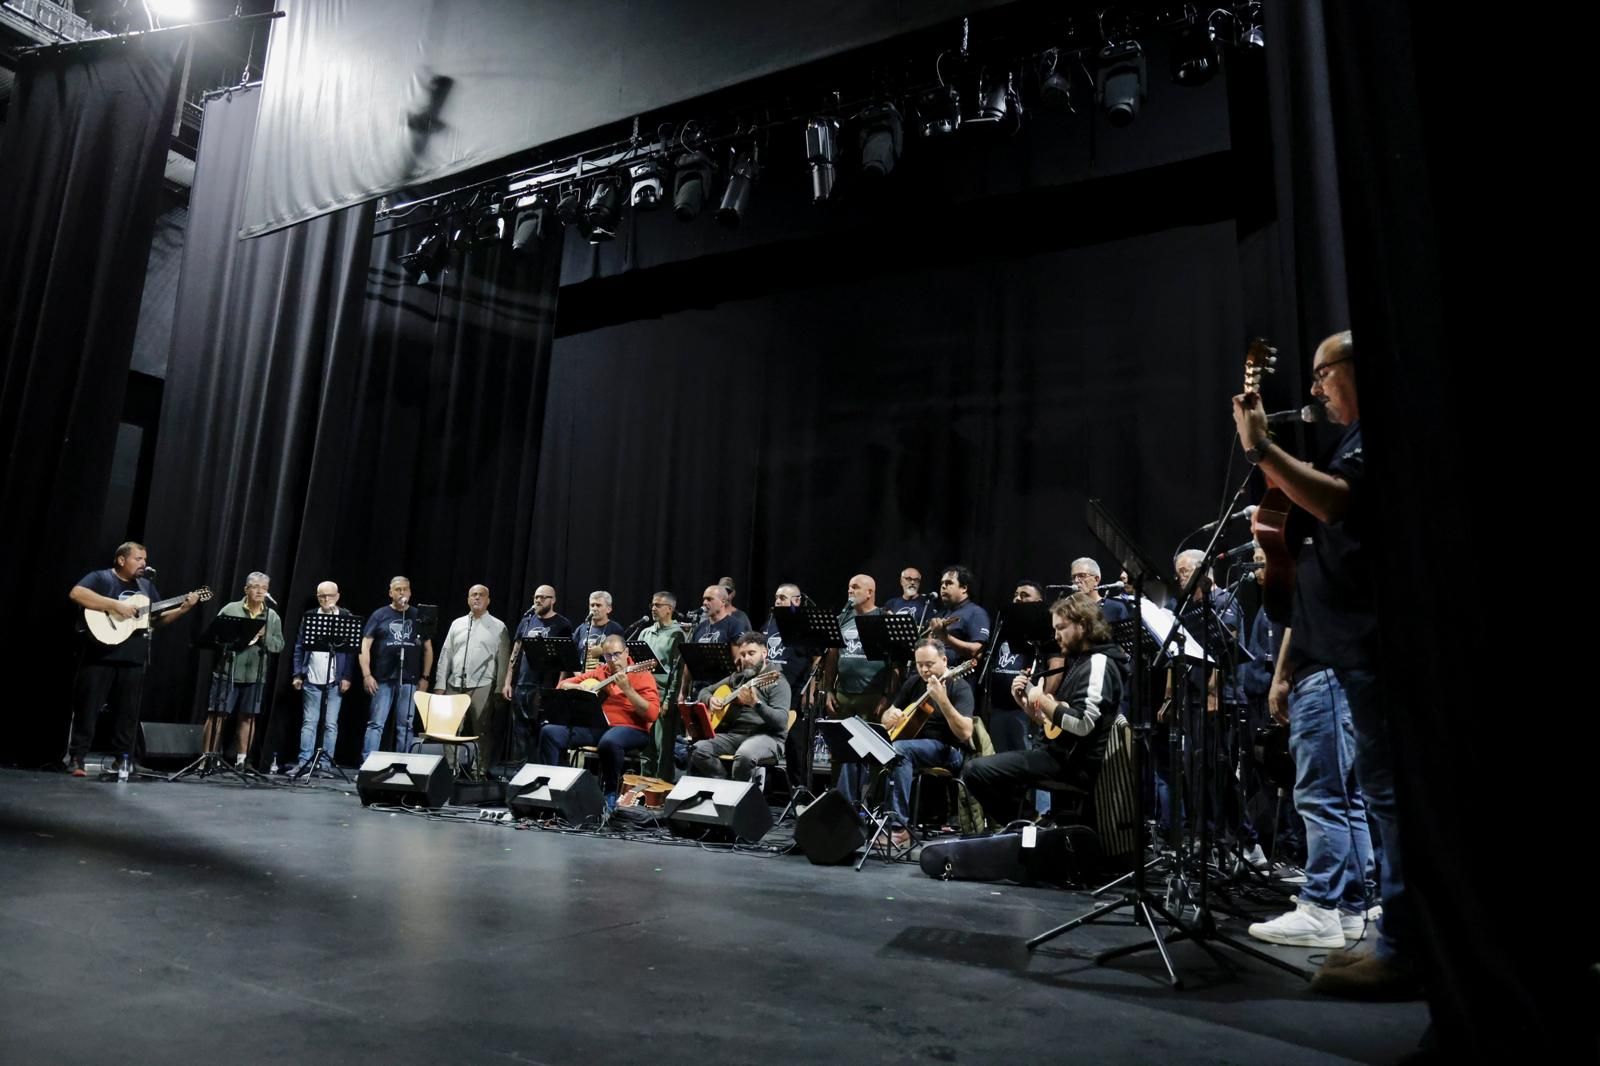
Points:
(324, 420)
(81, 168)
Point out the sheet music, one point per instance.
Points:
(1159, 620)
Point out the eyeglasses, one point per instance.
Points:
(1080, 578)
(659, 606)
(1320, 374)
(327, 595)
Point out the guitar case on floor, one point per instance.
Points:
(1063, 855)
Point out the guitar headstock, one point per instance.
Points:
(1259, 359)
(203, 593)
(965, 668)
(648, 664)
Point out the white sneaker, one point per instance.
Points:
(1256, 857)
(1307, 926)
(1291, 875)
(1354, 926)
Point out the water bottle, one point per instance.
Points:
(122, 768)
(274, 770)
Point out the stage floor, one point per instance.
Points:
(156, 922)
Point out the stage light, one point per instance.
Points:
(691, 185)
(174, 10)
(426, 261)
(736, 197)
(1194, 55)
(489, 228)
(997, 107)
(570, 209)
(822, 153)
(882, 136)
(1119, 82)
(940, 111)
(600, 214)
(646, 193)
(534, 221)
(1253, 36)
(1055, 88)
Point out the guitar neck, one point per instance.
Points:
(166, 605)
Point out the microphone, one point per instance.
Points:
(1311, 412)
(1244, 512)
(1107, 588)
(148, 571)
(270, 600)
(1242, 551)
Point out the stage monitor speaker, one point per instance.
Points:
(830, 831)
(168, 742)
(571, 791)
(390, 777)
(736, 807)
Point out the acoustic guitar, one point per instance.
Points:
(597, 685)
(109, 628)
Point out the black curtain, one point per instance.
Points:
(930, 413)
(326, 419)
(85, 144)
(1444, 314)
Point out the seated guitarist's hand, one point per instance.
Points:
(747, 696)
(892, 718)
(125, 609)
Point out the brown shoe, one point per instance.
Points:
(1367, 977)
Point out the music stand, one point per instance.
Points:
(886, 638)
(546, 655)
(639, 652)
(856, 740)
(225, 636)
(815, 630)
(574, 708)
(706, 662)
(330, 633)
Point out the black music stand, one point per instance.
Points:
(574, 708)
(856, 740)
(887, 638)
(225, 636)
(639, 652)
(547, 655)
(330, 633)
(706, 662)
(816, 630)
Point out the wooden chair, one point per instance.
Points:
(441, 722)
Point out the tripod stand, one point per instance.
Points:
(854, 740)
(812, 628)
(226, 635)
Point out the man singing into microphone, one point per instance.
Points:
(236, 687)
(112, 675)
(596, 628)
(1326, 685)
(395, 663)
(474, 656)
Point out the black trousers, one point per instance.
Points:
(999, 781)
(119, 685)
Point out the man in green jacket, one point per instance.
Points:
(236, 686)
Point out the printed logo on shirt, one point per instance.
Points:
(775, 649)
(852, 648)
(1008, 660)
(400, 630)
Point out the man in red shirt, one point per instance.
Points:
(630, 702)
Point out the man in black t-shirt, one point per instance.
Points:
(396, 661)
(113, 674)
(1008, 722)
(960, 624)
(1326, 682)
(522, 683)
(942, 742)
(595, 628)
(794, 662)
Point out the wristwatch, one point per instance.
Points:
(1259, 452)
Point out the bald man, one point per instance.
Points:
(520, 684)
(318, 674)
(476, 653)
(853, 684)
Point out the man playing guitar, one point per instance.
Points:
(630, 702)
(752, 729)
(114, 674)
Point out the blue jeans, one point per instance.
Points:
(1322, 739)
(310, 707)
(913, 755)
(1375, 769)
(379, 717)
(614, 745)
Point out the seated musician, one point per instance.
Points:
(630, 703)
(753, 729)
(941, 742)
(1083, 709)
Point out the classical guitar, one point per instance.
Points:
(598, 684)
(918, 713)
(1270, 524)
(109, 628)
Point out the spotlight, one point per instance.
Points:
(822, 153)
(1194, 55)
(489, 228)
(647, 188)
(570, 209)
(940, 111)
(534, 221)
(1119, 83)
(600, 213)
(882, 136)
(426, 261)
(736, 197)
(1253, 37)
(1055, 88)
(691, 185)
(998, 107)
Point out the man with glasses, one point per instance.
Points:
(316, 673)
(663, 635)
(522, 682)
(236, 685)
(630, 702)
(910, 601)
(1325, 683)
